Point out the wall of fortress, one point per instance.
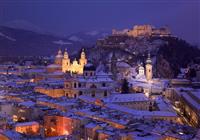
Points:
(143, 30)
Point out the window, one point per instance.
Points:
(80, 93)
(93, 93)
(105, 93)
(79, 85)
(74, 85)
(103, 84)
(91, 73)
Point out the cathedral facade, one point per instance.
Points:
(64, 62)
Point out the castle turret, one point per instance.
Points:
(65, 62)
(149, 73)
(83, 60)
(59, 57)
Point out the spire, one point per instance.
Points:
(83, 54)
(59, 55)
(66, 54)
(148, 61)
(59, 52)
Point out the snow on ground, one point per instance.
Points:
(92, 33)
(61, 42)
(75, 38)
(7, 37)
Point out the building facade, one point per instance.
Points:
(91, 83)
(63, 63)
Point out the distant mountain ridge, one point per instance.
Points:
(22, 42)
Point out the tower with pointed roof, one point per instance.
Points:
(83, 60)
(66, 62)
(149, 72)
(59, 57)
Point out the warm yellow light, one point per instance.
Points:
(147, 94)
(66, 132)
(15, 118)
(52, 129)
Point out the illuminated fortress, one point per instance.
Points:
(143, 30)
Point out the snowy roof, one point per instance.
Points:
(57, 73)
(13, 135)
(127, 98)
(53, 66)
(27, 103)
(91, 125)
(26, 124)
(123, 64)
(142, 113)
(191, 100)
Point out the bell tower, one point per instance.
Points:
(83, 60)
(65, 62)
(149, 73)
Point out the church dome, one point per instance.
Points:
(59, 55)
(89, 67)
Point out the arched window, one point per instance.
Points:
(74, 85)
(79, 85)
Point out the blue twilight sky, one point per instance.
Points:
(69, 16)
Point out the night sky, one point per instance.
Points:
(69, 16)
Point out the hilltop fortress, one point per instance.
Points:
(143, 30)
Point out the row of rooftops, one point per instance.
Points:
(112, 113)
(190, 95)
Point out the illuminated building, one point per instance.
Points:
(60, 125)
(91, 83)
(29, 128)
(149, 72)
(143, 30)
(63, 63)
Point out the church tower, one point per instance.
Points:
(59, 57)
(83, 60)
(141, 70)
(149, 72)
(65, 62)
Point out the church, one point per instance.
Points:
(63, 63)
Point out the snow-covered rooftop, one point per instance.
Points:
(133, 97)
